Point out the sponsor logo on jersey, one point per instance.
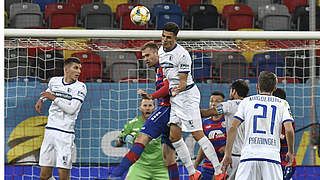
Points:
(166, 65)
(63, 95)
(216, 134)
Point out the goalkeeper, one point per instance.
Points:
(151, 158)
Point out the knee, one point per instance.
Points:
(169, 159)
(197, 135)
(174, 138)
(143, 139)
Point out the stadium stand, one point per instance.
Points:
(166, 12)
(150, 3)
(16, 63)
(300, 18)
(114, 3)
(274, 17)
(224, 63)
(23, 15)
(202, 16)
(186, 4)
(43, 3)
(220, 4)
(78, 3)
(255, 4)
(268, 61)
(60, 15)
(8, 4)
(201, 69)
(5, 19)
(96, 16)
(291, 4)
(91, 66)
(123, 17)
(237, 16)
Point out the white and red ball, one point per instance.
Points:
(140, 15)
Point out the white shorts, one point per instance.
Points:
(261, 170)
(185, 110)
(232, 171)
(57, 149)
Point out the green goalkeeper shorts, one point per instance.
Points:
(138, 171)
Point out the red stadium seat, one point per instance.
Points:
(291, 4)
(185, 4)
(237, 16)
(123, 17)
(78, 3)
(287, 80)
(60, 15)
(91, 66)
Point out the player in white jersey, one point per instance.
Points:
(67, 95)
(263, 116)
(185, 99)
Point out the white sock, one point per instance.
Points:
(52, 178)
(184, 155)
(210, 153)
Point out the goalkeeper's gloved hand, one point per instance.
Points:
(129, 138)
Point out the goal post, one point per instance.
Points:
(113, 72)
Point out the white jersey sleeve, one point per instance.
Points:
(184, 65)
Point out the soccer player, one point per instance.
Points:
(67, 95)
(185, 99)
(151, 158)
(156, 124)
(214, 128)
(262, 115)
(288, 171)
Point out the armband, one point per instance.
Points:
(219, 109)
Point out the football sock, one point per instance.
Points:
(184, 155)
(131, 157)
(210, 153)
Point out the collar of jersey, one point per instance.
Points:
(171, 49)
(66, 83)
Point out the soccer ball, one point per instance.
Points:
(140, 15)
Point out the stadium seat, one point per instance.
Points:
(114, 3)
(201, 66)
(96, 16)
(274, 17)
(298, 67)
(123, 17)
(251, 47)
(91, 66)
(23, 15)
(229, 66)
(122, 70)
(237, 16)
(43, 3)
(291, 4)
(150, 3)
(268, 62)
(5, 19)
(186, 4)
(286, 80)
(78, 3)
(166, 12)
(220, 4)
(300, 18)
(203, 16)
(16, 63)
(8, 4)
(47, 63)
(255, 4)
(60, 15)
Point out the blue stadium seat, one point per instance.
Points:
(201, 66)
(268, 62)
(43, 3)
(163, 13)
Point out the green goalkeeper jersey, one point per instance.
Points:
(152, 154)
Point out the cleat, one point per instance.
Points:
(195, 176)
(220, 176)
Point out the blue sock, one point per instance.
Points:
(173, 172)
(131, 157)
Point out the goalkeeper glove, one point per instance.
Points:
(129, 138)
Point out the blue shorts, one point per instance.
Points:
(157, 124)
(288, 172)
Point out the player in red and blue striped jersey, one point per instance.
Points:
(287, 171)
(214, 128)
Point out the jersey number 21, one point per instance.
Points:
(264, 116)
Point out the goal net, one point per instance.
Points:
(113, 71)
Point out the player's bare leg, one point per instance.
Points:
(46, 173)
(143, 139)
(64, 174)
